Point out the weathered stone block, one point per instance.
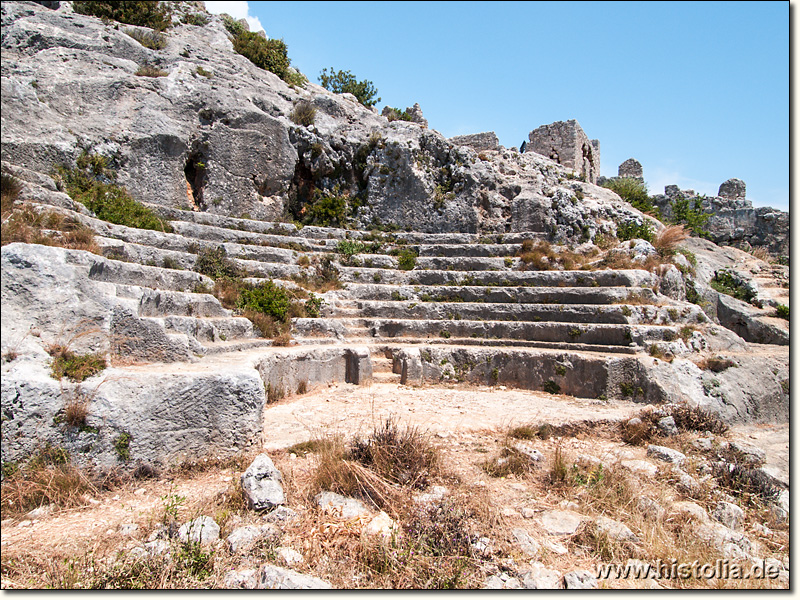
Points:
(567, 144)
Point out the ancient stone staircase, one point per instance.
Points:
(465, 291)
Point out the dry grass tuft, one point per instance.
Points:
(28, 225)
(49, 478)
(668, 239)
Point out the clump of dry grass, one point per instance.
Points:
(10, 188)
(510, 461)
(540, 256)
(687, 418)
(715, 364)
(48, 478)
(28, 225)
(401, 455)
(668, 239)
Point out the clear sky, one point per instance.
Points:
(698, 92)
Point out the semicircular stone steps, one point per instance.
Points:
(465, 289)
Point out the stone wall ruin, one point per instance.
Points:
(566, 143)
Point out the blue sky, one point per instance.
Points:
(698, 92)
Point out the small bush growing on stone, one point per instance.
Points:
(341, 82)
(267, 298)
(407, 259)
(155, 15)
(632, 191)
(303, 113)
(215, 263)
(270, 55)
(75, 367)
(155, 40)
(395, 114)
(782, 312)
(630, 230)
(122, 446)
(91, 184)
(726, 283)
(30, 225)
(551, 387)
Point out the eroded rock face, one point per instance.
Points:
(226, 144)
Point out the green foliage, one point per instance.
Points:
(630, 230)
(349, 248)
(782, 312)
(313, 306)
(196, 19)
(632, 191)
(201, 71)
(395, 114)
(326, 210)
(90, 184)
(551, 387)
(726, 283)
(76, 367)
(690, 214)
(407, 259)
(270, 55)
(142, 13)
(216, 264)
(155, 40)
(122, 445)
(303, 113)
(268, 298)
(342, 82)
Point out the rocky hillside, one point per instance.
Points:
(193, 244)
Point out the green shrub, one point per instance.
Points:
(122, 445)
(303, 113)
(395, 114)
(201, 71)
(551, 387)
(726, 282)
(76, 367)
(782, 311)
(630, 230)
(197, 19)
(349, 248)
(313, 306)
(342, 82)
(155, 15)
(326, 210)
(155, 40)
(267, 298)
(88, 185)
(407, 259)
(216, 264)
(632, 191)
(270, 55)
(690, 215)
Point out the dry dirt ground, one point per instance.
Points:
(467, 424)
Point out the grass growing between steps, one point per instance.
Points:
(270, 307)
(25, 223)
(91, 183)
